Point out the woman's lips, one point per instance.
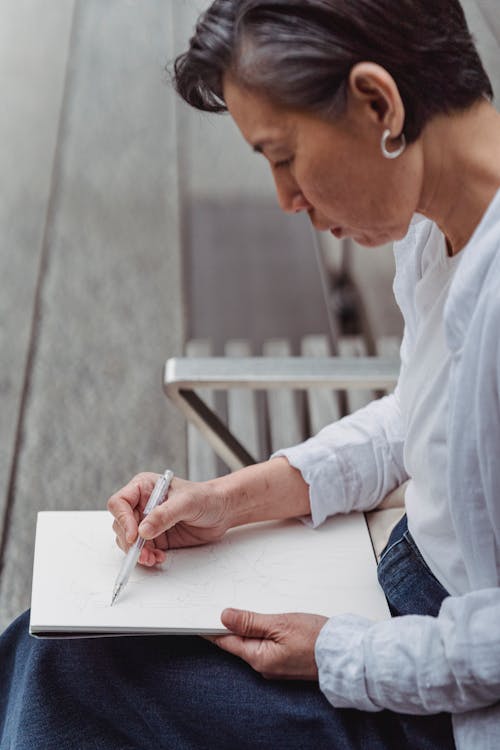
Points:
(337, 232)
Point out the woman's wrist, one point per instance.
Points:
(267, 491)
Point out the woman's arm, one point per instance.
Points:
(415, 664)
(268, 491)
(350, 465)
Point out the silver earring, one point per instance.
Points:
(392, 154)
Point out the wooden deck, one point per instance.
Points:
(89, 267)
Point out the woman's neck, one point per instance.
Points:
(461, 170)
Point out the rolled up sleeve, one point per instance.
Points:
(415, 664)
(352, 464)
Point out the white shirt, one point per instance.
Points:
(423, 390)
(419, 664)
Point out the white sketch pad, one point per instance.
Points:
(268, 567)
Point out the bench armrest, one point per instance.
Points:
(262, 373)
(182, 375)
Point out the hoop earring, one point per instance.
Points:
(391, 154)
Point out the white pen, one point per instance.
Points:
(156, 498)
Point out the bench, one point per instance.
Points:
(242, 407)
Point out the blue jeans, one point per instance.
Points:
(183, 693)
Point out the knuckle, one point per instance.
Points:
(144, 477)
(153, 520)
(111, 504)
(121, 516)
(119, 508)
(159, 512)
(138, 478)
(246, 621)
(282, 623)
(158, 518)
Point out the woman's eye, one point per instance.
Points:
(282, 164)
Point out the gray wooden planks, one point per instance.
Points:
(489, 9)
(110, 308)
(484, 22)
(33, 51)
(253, 273)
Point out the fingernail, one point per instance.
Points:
(145, 529)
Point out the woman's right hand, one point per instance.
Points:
(194, 513)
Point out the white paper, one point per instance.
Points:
(269, 568)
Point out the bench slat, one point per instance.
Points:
(242, 416)
(323, 403)
(356, 398)
(201, 459)
(389, 346)
(285, 426)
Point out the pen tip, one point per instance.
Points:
(116, 591)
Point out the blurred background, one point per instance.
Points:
(130, 225)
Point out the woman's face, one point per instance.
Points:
(333, 170)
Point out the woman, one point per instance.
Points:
(368, 112)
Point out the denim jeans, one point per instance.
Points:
(409, 585)
(183, 693)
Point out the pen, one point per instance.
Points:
(157, 496)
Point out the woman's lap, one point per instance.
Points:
(177, 693)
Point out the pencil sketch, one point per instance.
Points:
(272, 567)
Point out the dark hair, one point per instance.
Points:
(300, 54)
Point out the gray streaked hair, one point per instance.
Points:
(299, 53)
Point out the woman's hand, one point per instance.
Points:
(194, 513)
(277, 646)
(200, 512)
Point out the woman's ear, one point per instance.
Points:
(375, 95)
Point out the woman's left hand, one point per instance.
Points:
(278, 646)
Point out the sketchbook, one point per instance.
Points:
(270, 567)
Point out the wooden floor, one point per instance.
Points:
(90, 290)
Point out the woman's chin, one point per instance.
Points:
(369, 239)
(366, 240)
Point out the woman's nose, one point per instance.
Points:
(299, 203)
(290, 196)
(292, 201)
